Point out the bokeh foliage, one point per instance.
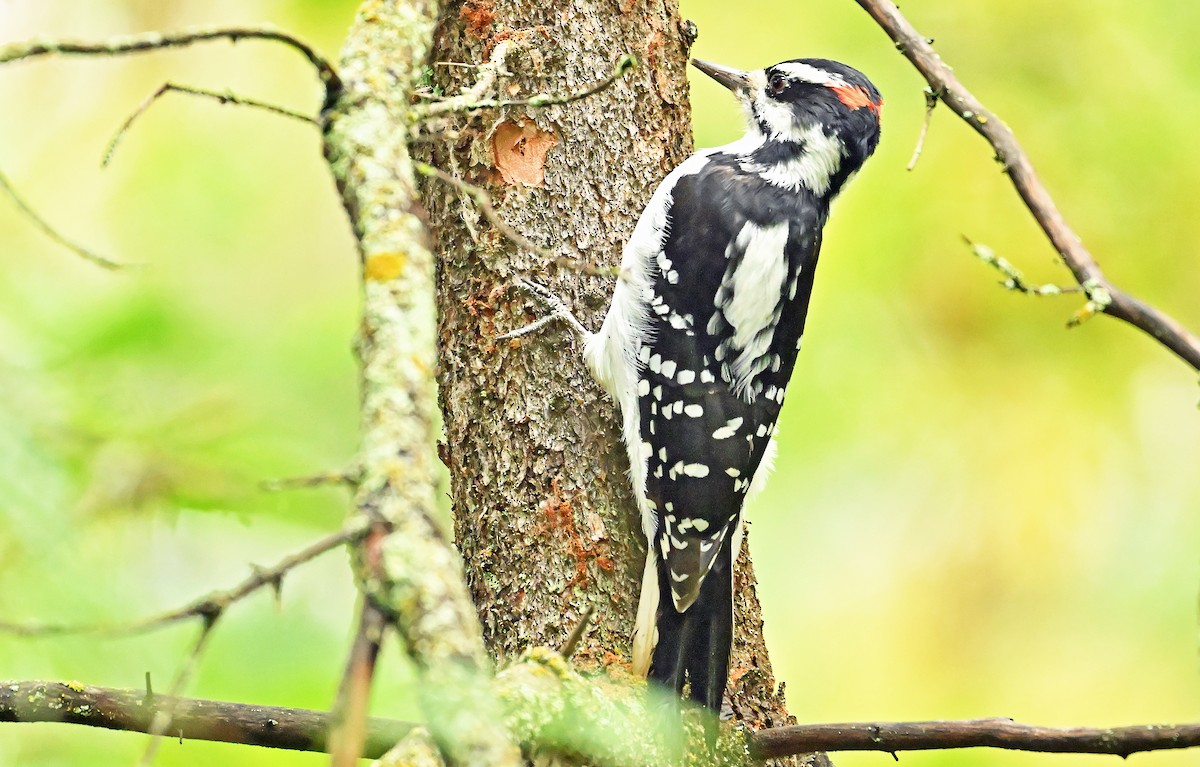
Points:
(975, 512)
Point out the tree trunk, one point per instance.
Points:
(543, 512)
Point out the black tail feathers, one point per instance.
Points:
(693, 647)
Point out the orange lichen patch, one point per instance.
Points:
(478, 17)
(381, 267)
(857, 98)
(519, 152)
(560, 519)
(559, 512)
(490, 44)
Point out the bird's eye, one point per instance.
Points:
(777, 84)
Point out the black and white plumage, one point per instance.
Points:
(702, 334)
(700, 339)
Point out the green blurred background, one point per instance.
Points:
(975, 512)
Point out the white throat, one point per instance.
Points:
(812, 167)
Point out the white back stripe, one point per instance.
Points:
(757, 287)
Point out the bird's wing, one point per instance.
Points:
(727, 294)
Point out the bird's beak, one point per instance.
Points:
(733, 79)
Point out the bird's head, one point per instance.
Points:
(788, 102)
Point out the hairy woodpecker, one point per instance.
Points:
(701, 337)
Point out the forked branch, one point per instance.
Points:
(1102, 295)
(210, 606)
(220, 98)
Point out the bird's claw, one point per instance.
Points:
(558, 311)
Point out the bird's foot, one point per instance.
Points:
(558, 311)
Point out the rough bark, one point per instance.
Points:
(542, 508)
(543, 513)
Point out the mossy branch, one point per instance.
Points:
(412, 576)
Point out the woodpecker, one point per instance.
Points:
(701, 337)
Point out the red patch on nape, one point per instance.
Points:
(856, 97)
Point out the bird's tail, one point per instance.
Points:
(672, 648)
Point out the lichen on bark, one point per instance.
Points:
(412, 575)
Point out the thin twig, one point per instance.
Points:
(153, 41)
(577, 633)
(1102, 295)
(41, 223)
(212, 604)
(141, 43)
(348, 730)
(626, 63)
(1013, 278)
(347, 478)
(221, 98)
(931, 100)
(164, 714)
(483, 201)
(485, 80)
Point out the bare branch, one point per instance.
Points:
(483, 201)
(142, 43)
(209, 607)
(348, 729)
(891, 737)
(568, 647)
(1103, 296)
(154, 41)
(305, 730)
(931, 100)
(164, 715)
(348, 478)
(221, 98)
(134, 710)
(52, 233)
